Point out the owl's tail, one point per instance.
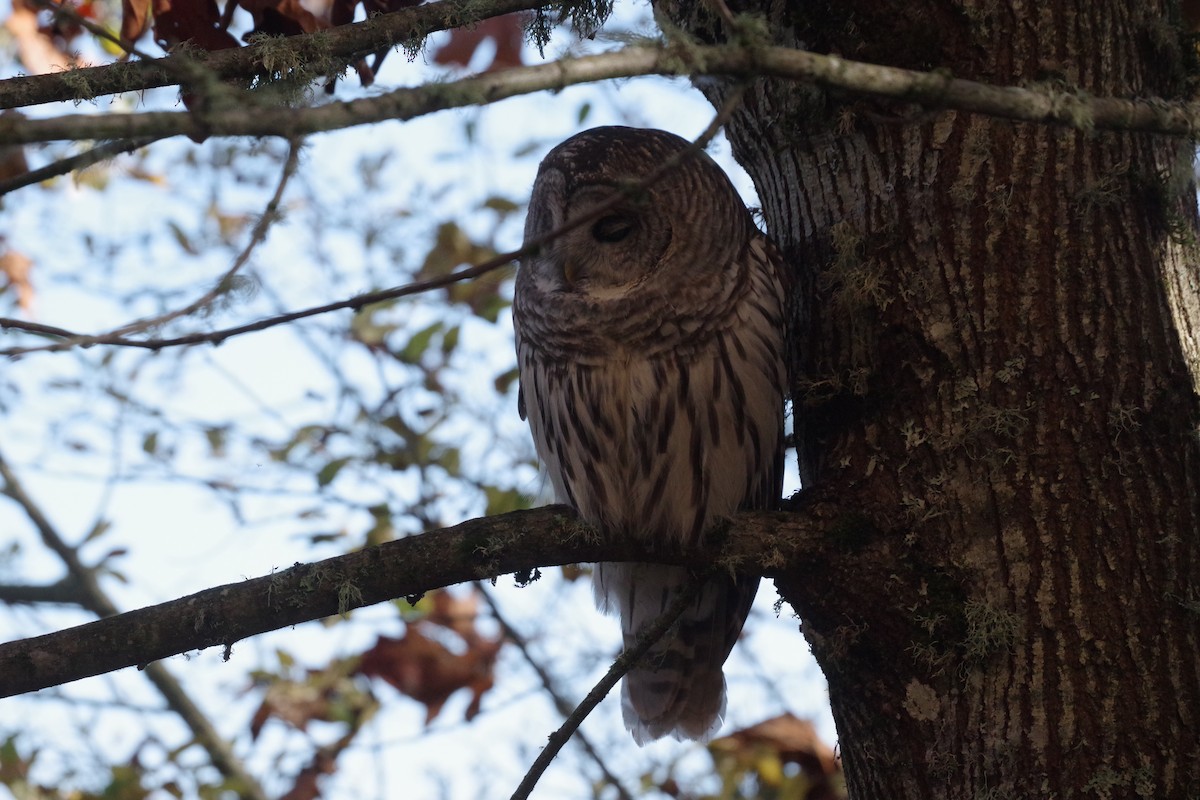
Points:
(678, 687)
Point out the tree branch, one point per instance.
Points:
(1071, 109)
(64, 592)
(100, 152)
(342, 44)
(766, 543)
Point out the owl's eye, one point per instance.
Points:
(612, 228)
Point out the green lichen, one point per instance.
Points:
(990, 629)
(1109, 784)
(349, 596)
(584, 16)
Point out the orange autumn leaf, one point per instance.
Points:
(135, 19)
(508, 33)
(16, 267)
(456, 612)
(762, 750)
(37, 52)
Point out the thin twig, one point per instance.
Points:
(645, 639)
(561, 703)
(223, 285)
(82, 161)
(117, 338)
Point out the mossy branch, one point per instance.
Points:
(931, 89)
(339, 45)
(762, 543)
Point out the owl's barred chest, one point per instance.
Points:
(659, 446)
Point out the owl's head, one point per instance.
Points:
(688, 221)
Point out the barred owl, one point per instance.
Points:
(650, 350)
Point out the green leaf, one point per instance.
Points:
(216, 437)
(501, 205)
(505, 380)
(419, 343)
(101, 527)
(330, 471)
(450, 340)
(501, 501)
(367, 328)
(182, 238)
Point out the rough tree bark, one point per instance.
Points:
(996, 377)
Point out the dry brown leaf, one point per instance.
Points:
(456, 612)
(325, 695)
(195, 21)
(759, 754)
(135, 19)
(794, 739)
(428, 672)
(282, 17)
(12, 156)
(37, 52)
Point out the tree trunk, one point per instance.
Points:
(997, 355)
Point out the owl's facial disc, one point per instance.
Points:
(589, 256)
(611, 252)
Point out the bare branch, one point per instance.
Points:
(645, 639)
(1072, 109)
(61, 9)
(561, 704)
(72, 340)
(64, 592)
(767, 543)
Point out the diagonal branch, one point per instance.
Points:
(224, 284)
(766, 543)
(100, 152)
(561, 703)
(65, 591)
(645, 640)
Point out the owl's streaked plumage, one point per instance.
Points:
(650, 349)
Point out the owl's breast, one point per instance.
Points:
(657, 446)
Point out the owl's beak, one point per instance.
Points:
(571, 272)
